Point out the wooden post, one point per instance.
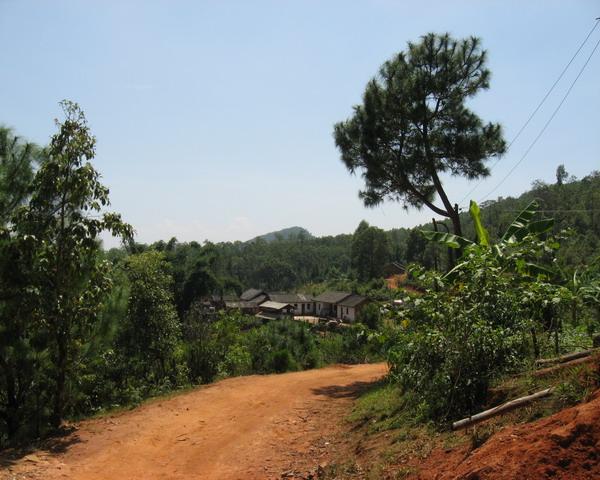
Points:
(572, 363)
(500, 409)
(564, 358)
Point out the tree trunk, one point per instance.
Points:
(455, 217)
(61, 374)
(534, 342)
(11, 414)
(557, 329)
(457, 228)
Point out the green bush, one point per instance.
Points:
(459, 337)
(281, 361)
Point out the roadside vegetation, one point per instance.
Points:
(83, 330)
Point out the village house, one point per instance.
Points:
(254, 295)
(348, 309)
(248, 302)
(270, 310)
(343, 306)
(325, 304)
(304, 305)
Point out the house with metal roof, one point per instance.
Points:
(326, 302)
(249, 308)
(348, 308)
(270, 310)
(303, 304)
(344, 306)
(253, 295)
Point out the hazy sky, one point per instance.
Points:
(214, 119)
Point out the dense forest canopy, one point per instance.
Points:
(292, 262)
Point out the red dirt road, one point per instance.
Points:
(254, 427)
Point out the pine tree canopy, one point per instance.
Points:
(414, 124)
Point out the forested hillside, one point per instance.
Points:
(291, 262)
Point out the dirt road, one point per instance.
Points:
(255, 427)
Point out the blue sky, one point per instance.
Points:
(214, 119)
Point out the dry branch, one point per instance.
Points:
(500, 409)
(564, 358)
(573, 363)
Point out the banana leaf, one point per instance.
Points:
(447, 239)
(482, 234)
(519, 225)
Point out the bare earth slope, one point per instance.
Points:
(565, 446)
(241, 428)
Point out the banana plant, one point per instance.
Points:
(584, 289)
(522, 226)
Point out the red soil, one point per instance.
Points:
(256, 427)
(565, 446)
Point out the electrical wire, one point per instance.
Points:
(546, 124)
(537, 108)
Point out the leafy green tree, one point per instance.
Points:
(274, 274)
(413, 125)
(458, 337)
(369, 252)
(62, 222)
(561, 174)
(151, 329)
(17, 159)
(23, 342)
(370, 315)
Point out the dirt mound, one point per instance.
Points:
(565, 445)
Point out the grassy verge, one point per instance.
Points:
(389, 440)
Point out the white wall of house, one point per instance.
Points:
(347, 314)
(324, 309)
(309, 308)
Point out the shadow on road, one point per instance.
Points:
(59, 442)
(352, 390)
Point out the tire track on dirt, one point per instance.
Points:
(253, 427)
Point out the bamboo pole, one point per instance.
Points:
(565, 358)
(500, 409)
(572, 363)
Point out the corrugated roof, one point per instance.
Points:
(241, 305)
(274, 305)
(284, 297)
(332, 297)
(353, 300)
(250, 294)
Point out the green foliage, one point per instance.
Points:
(17, 159)
(150, 330)
(60, 280)
(212, 345)
(561, 174)
(448, 239)
(460, 336)
(369, 252)
(370, 316)
(483, 318)
(473, 324)
(414, 124)
(483, 236)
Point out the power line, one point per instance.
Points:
(581, 210)
(546, 124)
(542, 101)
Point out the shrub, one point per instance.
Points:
(459, 337)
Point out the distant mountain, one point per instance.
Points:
(284, 234)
